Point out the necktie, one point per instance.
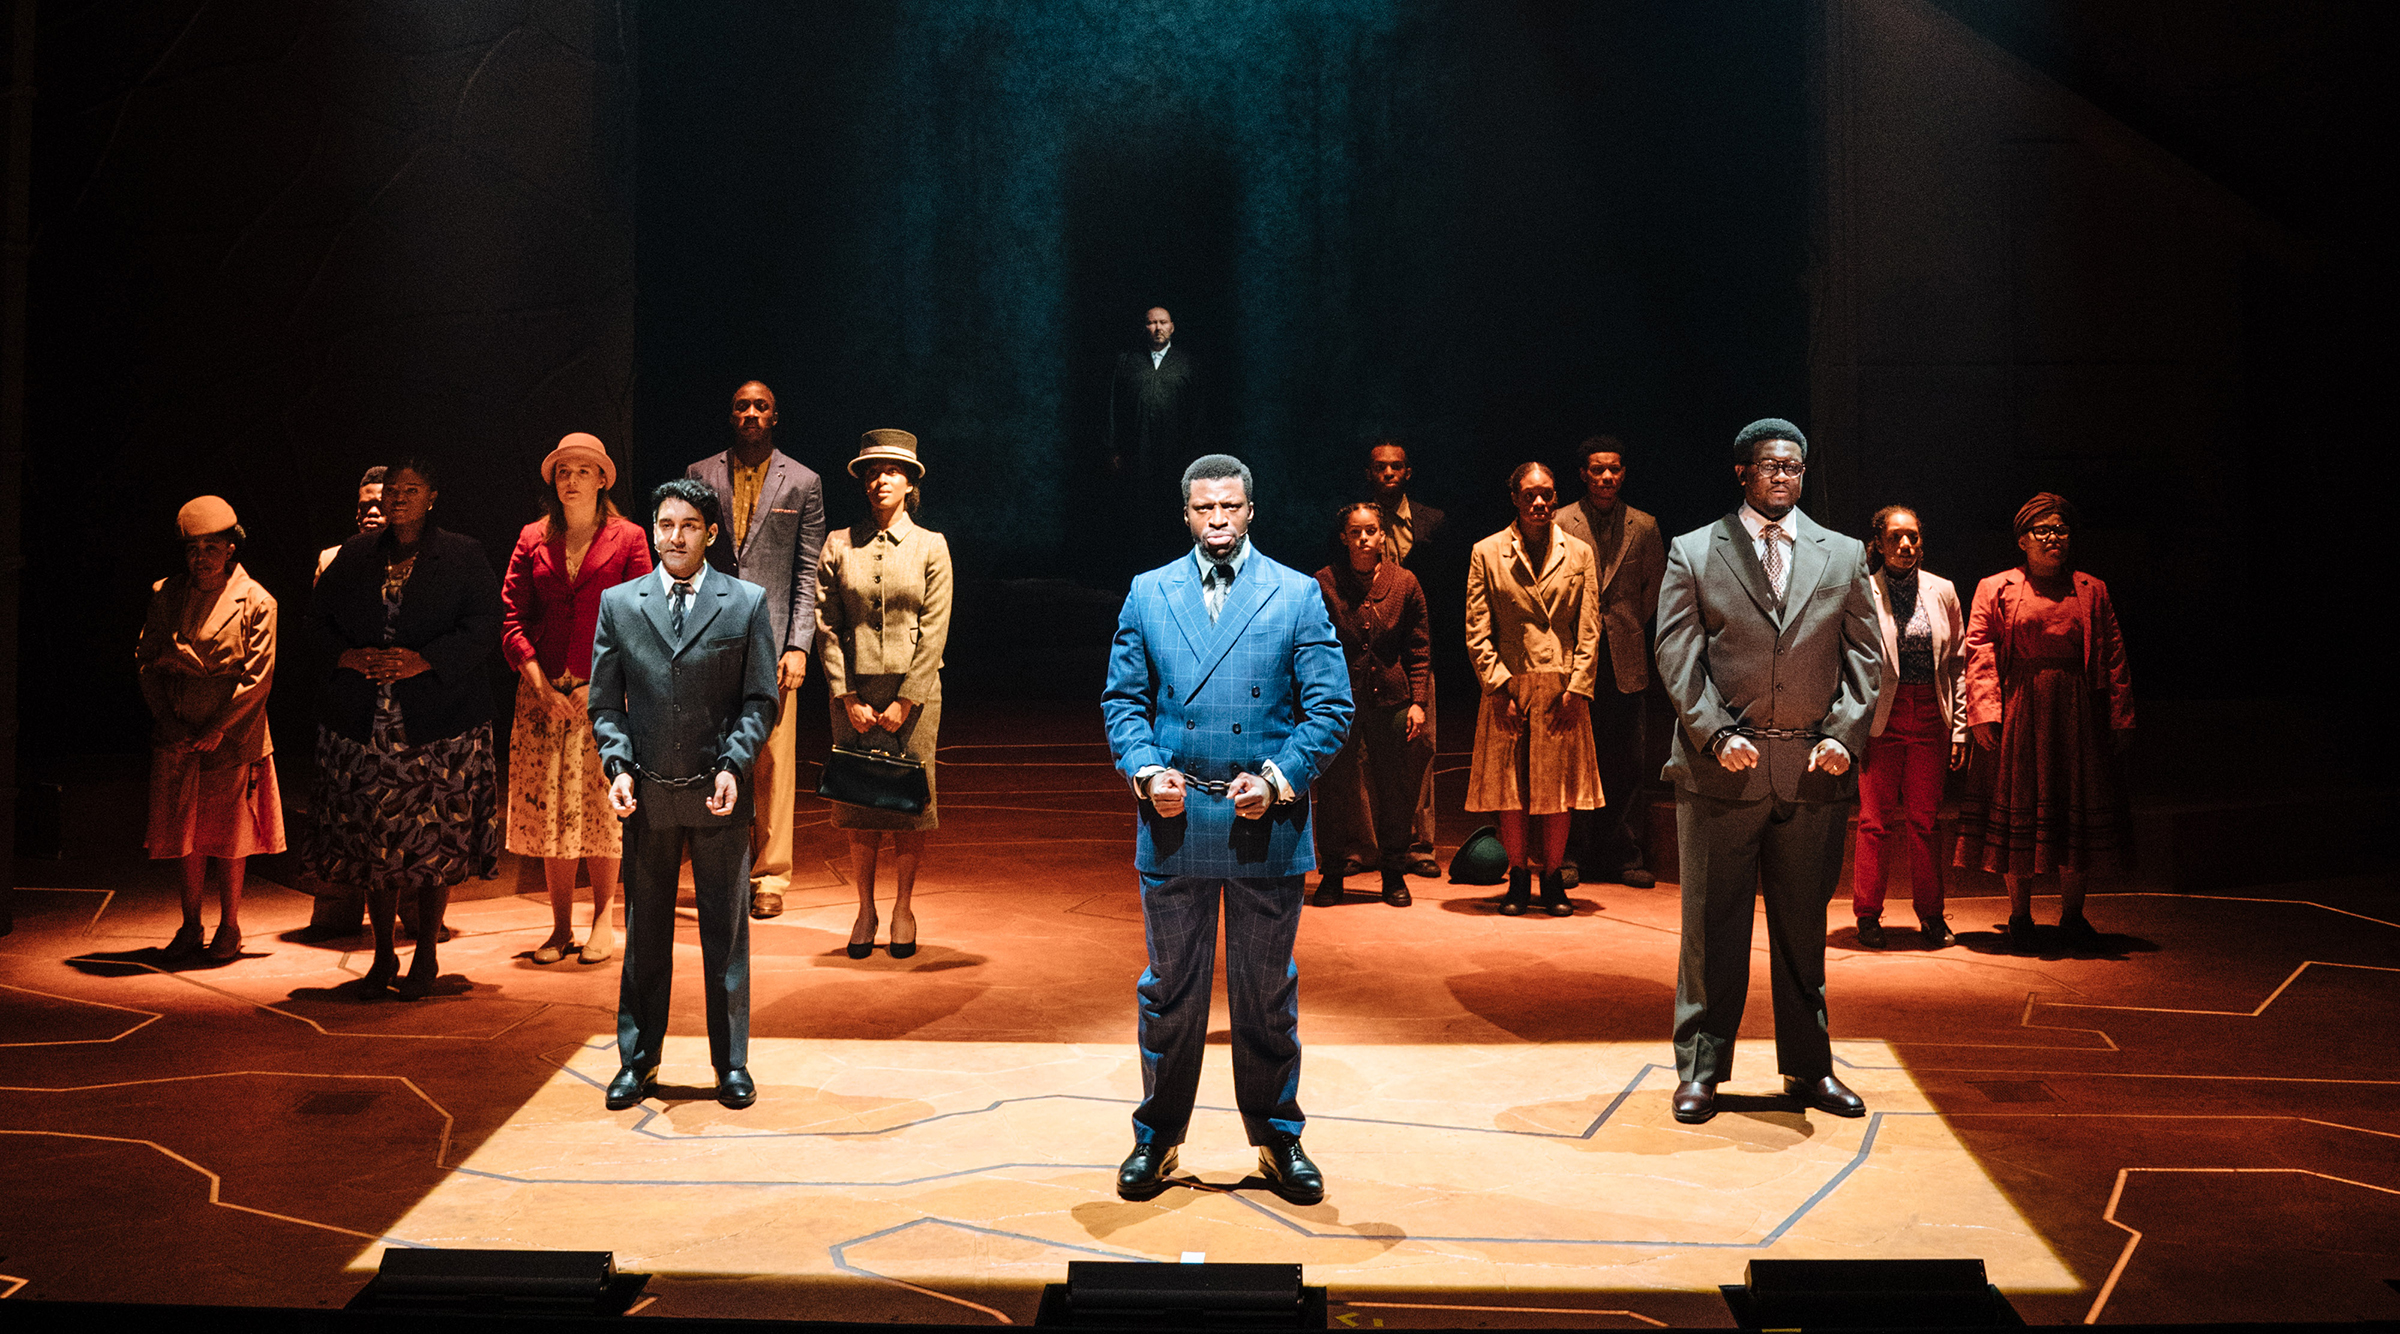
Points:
(1219, 582)
(1772, 535)
(679, 598)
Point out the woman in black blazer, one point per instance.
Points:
(407, 793)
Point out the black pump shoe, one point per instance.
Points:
(1395, 889)
(1520, 892)
(1554, 896)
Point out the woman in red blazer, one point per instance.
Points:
(2050, 705)
(557, 795)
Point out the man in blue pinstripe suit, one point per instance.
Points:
(1227, 695)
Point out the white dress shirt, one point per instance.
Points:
(1159, 354)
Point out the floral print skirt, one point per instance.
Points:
(557, 795)
(407, 817)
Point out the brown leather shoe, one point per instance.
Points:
(1695, 1102)
(1829, 1094)
(765, 903)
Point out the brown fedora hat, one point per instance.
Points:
(888, 446)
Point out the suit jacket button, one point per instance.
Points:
(1237, 727)
(1254, 692)
(1190, 723)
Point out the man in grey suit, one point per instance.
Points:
(682, 695)
(1769, 650)
(773, 530)
(1609, 843)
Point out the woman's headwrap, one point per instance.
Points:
(2047, 503)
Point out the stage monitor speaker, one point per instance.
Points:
(1867, 1294)
(1181, 1296)
(583, 1282)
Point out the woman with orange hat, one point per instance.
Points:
(557, 796)
(2050, 705)
(883, 620)
(207, 660)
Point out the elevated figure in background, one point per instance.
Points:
(1226, 698)
(1767, 646)
(2050, 705)
(1629, 559)
(1378, 611)
(772, 529)
(1920, 731)
(1154, 404)
(1411, 529)
(883, 622)
(1533, 631)
(683, 695)
(407, 796)
(207, 660)
(557, 796)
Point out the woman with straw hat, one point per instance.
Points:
(883, 619)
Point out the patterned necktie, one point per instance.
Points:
(1772, 535)
(679, 598)
(1219, 583)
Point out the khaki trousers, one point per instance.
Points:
(775, 782)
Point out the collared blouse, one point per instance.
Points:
(552, 618)
(234, 652)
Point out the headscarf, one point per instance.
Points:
(2047, 503)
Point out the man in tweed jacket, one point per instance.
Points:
(1227, 695)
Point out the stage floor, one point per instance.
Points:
(2202, 1124)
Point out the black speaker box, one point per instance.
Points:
(1867, 1294)
(472, 1280)
(1181, 1296)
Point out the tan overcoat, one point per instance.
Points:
(217, 680)
(1532, 635)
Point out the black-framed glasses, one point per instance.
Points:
(1779, 468)
(2049, 532)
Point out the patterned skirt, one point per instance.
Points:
(389, 814)
(917, 739)
(224, 812)
(2048, 797)
(557, 798)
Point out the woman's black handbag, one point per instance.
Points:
(877, 779)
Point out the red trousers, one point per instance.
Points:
(1899, 794)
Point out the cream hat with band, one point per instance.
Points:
(205, 515)
(581, 444)
(890, 446)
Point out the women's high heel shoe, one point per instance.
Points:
(859, 949)
(902, 949)
(1520, 892)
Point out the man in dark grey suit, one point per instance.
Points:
(682, 695)
(773, 529)
(1769, 650)
(1609, 843)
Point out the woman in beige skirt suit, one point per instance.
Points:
(883, 619)
(1533, 631)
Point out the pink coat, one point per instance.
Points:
(552, 619)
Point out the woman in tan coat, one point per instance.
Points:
(883, 620)
(1533, 631)
(207, 660)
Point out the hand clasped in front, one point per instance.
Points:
(1250, 793)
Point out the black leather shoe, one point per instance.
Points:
(1520, 892)
(735, 1089)
(1395, 889)
(1636, 877)
(1144, 1174)
(1935, 933)
(1288, 1171)
(1329, 892)
(2080, 935)
(1695, 1102)
(1424, 866)
(631, 1086)
(2020, 936)
(1829, 1094)
(1870, 932)
(1554, 895)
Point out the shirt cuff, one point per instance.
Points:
(1141, 779)
(1274, 777)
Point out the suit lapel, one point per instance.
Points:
(1616, 557)
(1735, 548)
(768, 485)
(1809, 560)
(1248, 595)
(710, 600)
(655, 610)
(1183, 600)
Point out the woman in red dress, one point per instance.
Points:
(2050, 705)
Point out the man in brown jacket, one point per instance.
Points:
(1608, 844)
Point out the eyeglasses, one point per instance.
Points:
(2049, 532)
(1779, 468)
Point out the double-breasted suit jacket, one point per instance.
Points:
(1265, 682)
(683, 706)
(779, 552)
(1732, 654)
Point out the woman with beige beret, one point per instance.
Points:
(883, 619)
(207, 663)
